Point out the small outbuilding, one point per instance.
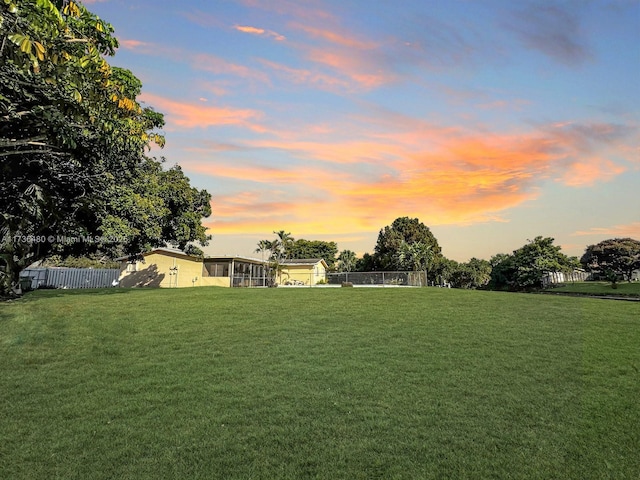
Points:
(306, 271)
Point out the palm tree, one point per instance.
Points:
(263, 246)
(347, 260)
(284, 244)
(423, 256)
(276, 257)
(418, 256)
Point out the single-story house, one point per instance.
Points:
(171, 268)
(307, 271)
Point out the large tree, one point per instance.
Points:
(613, 257)
(73, 143)
(443, 269)
(526, 268)
(475, 273)
(302, 248)
(403, 230)
(503, 271)
(366, 263)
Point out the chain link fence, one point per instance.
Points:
(245, 280)
(389, 279)
(362, 279)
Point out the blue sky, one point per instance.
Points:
(490, 121)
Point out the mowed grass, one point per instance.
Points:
(631, 289)
(318, 383)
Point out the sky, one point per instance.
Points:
(491, 121)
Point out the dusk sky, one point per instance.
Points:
(492, 121)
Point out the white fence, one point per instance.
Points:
(58, 277)
(555, 278)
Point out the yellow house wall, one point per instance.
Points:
(216, 282)
(156, 272)
(304, 274)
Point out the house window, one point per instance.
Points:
(217, 269)
(132, 267)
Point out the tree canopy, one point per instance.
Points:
(615, 256)
(74, 142)
(527, 266)
(285, 247)
(475, 273)
(314, 249)
(403, 231)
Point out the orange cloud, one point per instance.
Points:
(456, 195)
(440, 175)
(260, 174)
(292, 214)
(255, 212)
(189, 115)
(346, 152)
(591, 170)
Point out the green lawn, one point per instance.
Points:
(318, 383)
(600, 288)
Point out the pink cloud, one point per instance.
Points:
(516, 104)
(307, 77)
(349, 55)
(631, 230)
(365, 71)
(252, 30)
(199, 61)
(191, 115)
(260, 32)
(309, 10)
(336, 37)
(138, 45)
(220, 66)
